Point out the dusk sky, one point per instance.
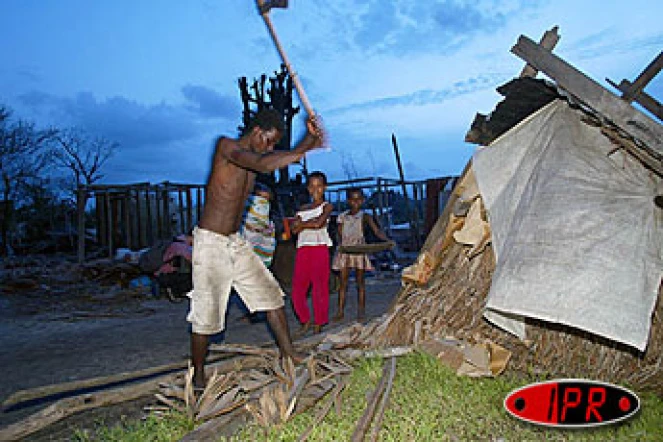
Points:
(160, 77)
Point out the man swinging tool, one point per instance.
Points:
(222, 258)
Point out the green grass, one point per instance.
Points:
(428, 403)
(170, 427)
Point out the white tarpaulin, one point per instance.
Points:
(577, 237)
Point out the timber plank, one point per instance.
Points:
(621, 113)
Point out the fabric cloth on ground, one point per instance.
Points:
(175, 249)
(577, 238)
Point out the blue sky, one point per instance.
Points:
(160, 76)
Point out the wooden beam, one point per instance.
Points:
(109, 224)
(189, 212)
(354, 181)
(149, 222)
(81, 198)
(643, 98)
(413, 225)
(128, 230)
(644, 78)
(166, 226)
(139, 224)
(180, 209)
(622, 114)
(548, 41)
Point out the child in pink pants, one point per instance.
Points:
(312, 258)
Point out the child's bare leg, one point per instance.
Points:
(342, 290)
(198, 352)
(361, 294)
(279, 324)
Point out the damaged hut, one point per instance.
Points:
(551, 245)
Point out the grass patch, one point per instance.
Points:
(169, 427)
(428, 403)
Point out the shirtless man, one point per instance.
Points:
(222, 259)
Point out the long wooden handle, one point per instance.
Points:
(295, 79)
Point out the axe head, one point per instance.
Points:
(265, 5)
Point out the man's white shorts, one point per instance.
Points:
(220, 263)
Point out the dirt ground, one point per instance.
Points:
(53, 330)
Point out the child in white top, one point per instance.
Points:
(312, 257)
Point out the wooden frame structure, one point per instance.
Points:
(137, 215)
(635, 91)
(645, 132)
(422, 198)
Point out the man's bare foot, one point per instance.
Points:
(338, 317)
(317, 329)
(361, 315)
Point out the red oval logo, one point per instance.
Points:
(572, 403)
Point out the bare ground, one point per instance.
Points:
(53, 333)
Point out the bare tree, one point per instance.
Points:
(82, 155)
(348, 165)
(24, 154)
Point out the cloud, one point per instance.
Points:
(427, 96)
(210, 104)
(458, 19)
(607, 41)
(29, 75)
(444, 26)
(126, 121)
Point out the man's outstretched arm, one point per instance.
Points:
(274, 160)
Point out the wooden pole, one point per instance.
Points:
(415, 210)
(139, 220)
(548, 41)
(167, 231)
(109, 224)
(644, 78)
(81, 197)
(180, 209)
(415, 235)
(380, 205)
(127, 219)
(149, 232)
(99, 215)
(189, 212)
(295, 78)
